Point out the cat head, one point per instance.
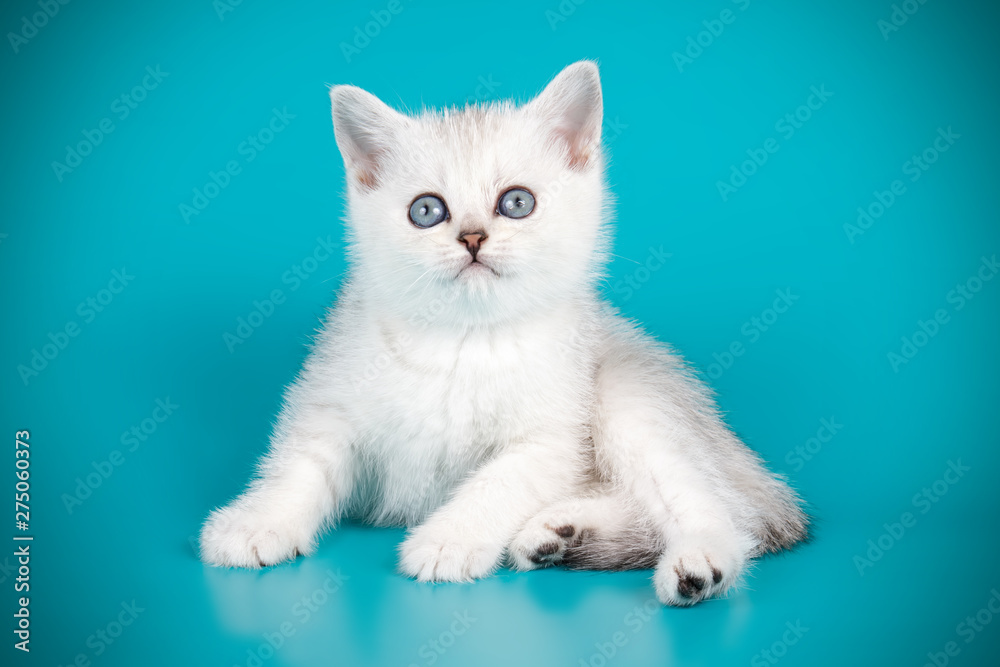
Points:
(496, 211)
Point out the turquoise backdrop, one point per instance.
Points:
(806, 208)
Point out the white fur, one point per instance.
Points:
(480, 406)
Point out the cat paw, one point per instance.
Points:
(433, 554)
(695, 569)
(235, 536)
(542, 542)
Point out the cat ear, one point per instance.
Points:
(571, 106)
(364, 127)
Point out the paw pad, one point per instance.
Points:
(565, 531)
(544, 552)
(689, 585)
(690, 573)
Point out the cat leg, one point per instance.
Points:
(465, 539)
(301, 483)
(703, 553)
(659, 439)
(600, 531)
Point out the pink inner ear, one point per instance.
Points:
(580, 148)
(366, 169)
(574, 123)
(366, 179)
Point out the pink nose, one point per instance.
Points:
(472, 241)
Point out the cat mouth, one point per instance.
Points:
(476, 266)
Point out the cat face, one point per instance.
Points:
(500, 208)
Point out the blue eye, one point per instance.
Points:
(516, 203)
(427, 211)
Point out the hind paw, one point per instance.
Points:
(695, 569)
(542, 542)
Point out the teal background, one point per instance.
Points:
(671, 136)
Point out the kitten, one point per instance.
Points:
(472, 385)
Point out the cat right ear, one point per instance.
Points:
(572, 108)
(364, 127)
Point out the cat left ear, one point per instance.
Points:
(364, 127)
(572, 106)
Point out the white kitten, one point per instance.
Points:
(470, 382)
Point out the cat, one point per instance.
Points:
(471, 384)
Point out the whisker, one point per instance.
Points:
(416, 281)
(627, 259)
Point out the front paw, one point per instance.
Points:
(442, 553)
(697, 567)
(240, 536)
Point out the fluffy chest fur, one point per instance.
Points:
(433, 404)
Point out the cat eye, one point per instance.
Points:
(427, 211)
(516, 203)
